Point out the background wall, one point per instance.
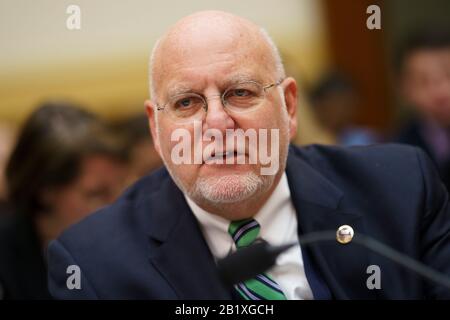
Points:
(104, 65)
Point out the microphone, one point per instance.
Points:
(250, 261)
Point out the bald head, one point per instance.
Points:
(217, 33)
(214, 74)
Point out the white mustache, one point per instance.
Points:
(237, 146)
(226, 154)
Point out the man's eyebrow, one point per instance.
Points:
(178, 89)
(237, 78)
(241, 77)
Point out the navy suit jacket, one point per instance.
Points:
(148, 245)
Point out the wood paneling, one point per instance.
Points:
(361, 53)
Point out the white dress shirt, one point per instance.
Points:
(278, 221)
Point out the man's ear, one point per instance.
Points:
(290, 90)
(152, 123)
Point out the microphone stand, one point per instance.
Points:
(248, 262)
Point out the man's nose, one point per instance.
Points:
(216, 116)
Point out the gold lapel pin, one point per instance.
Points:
(344, 234)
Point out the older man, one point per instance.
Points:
(215, 79)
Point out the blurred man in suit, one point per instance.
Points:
(217, 73)
(423, 65)
(334, 100)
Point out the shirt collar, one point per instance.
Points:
(274, 217)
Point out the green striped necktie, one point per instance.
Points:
(261, 287)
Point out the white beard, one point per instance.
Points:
(230, 188)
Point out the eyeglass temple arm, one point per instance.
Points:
(273, 84)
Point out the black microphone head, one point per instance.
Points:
(248, 262)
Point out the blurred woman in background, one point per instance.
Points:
(138, 145)
(65, 165)
(7, 140)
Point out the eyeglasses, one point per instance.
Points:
(239, 98)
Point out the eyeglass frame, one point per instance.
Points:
(222, 96)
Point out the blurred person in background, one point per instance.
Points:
(65, 165)
(6, 144)
(423, 69)
(138, 144)
(334, 100)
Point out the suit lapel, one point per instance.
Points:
(179, 251)
(181, 255)
(319, 207)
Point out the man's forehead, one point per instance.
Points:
(210, 21)
(425, 60)
(196, 44)
(218, 43)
